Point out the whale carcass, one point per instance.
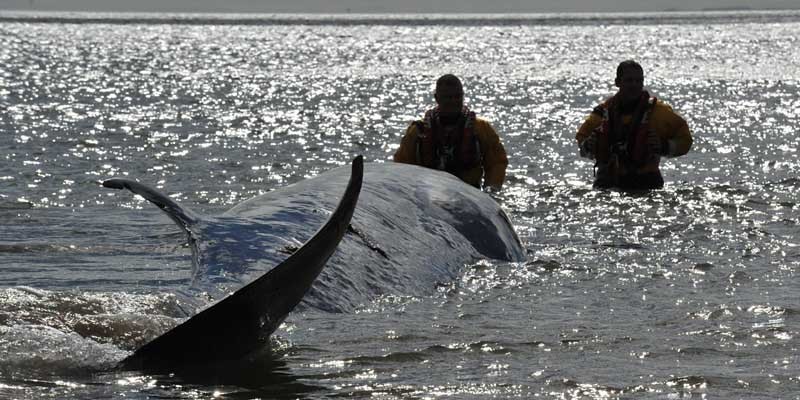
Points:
(412, 229)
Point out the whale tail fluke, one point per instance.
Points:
(182, 216)
(243, 321)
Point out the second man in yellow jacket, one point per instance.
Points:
(629, 133)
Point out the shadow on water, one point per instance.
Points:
(262, 374)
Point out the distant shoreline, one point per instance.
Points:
(575, 18)
(354, 7)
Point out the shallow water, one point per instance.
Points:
(686, 292)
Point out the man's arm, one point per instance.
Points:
(682, 140)
(585, 135)
(674, 130)
(407, 152)
(495, 159)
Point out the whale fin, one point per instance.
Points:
(184, 217)
(243, 321)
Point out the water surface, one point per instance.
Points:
(686, 292)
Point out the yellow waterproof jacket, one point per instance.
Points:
(493, 155)
(669, 126)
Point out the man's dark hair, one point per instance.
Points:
(627, 64)
(449, 80)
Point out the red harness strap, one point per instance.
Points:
(615, 140)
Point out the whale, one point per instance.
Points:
(332, 242)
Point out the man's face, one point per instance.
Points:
(450, 99)
(630, 84)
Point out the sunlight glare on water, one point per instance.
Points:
(685, 292)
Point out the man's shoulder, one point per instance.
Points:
(662, 107)
(660, 103)
(483, 127)
(601, 107)
(663, 111)
(415, 126)
(479, 121)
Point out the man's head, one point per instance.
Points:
(630, 80)
(449, 94)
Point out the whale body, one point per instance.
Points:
(413, 228)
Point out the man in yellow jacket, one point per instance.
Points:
(628, 134)
(451, 138)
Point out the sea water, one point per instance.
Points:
(686, 292)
